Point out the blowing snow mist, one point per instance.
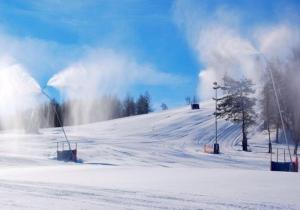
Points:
(18, 92)
(102, 72)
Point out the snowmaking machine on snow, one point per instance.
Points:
(62, 153)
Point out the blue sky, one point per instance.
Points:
(57, 33)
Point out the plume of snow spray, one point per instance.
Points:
(101, 72)
(226, 54)
(222, 49)
(18, 91)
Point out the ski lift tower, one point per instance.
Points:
(216, 144)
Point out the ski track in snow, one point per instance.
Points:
(70, 197)
(171, 143)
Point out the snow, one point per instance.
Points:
(153, 161)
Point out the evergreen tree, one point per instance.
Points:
(129, 106)
(237, 105)
(143, 104)
(164, 106)
(116, 107)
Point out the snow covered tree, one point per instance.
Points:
(237, 105)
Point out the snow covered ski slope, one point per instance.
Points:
(153, 161)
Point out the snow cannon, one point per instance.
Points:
(66, 155)
(195, 106)
(288, 166)
(63, 154)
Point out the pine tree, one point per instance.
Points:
(116, 108)
(143, 105)
(129, 106)
(164, 106)
(237, 105)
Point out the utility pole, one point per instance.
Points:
(216, 145)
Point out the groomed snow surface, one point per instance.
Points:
(153, 161)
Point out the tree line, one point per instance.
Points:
(77, 111)
(105, 108)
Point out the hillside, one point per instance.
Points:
(153, 161)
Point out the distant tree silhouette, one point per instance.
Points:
(57, 113)
(164, 106)
(129, 106)
(143, 105)
(116, 107)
